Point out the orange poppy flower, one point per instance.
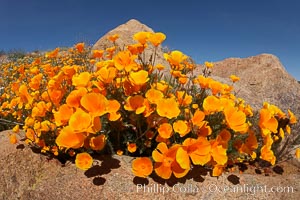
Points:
(216, 87)
(274, 110)
(113, 37)
(251, 141)
(13, 138)
(80, 47)
(69, 139)
(69, 70)
(112, 108)
(205, 130)
(218, 153)
(297, 153)
(234, 78)
(73, 99)
(175, 58)
(39, 110)
(217, 170)
(52, 54)
(30, 135)
(16, 128)
(23, 93)
(267, 154)
(183, 80)
(162, 86)
(125, 60)
(136, 49)
(203, 81)
(110, 51)
(63, 114)
(160, 67)
(141, 37)
(98, 142)
(56, 96)
(212, 104)
(142, 167)
(293, 118)
(107, 74)
(131, 147)
(120, 152)
(80, 121)
(81, 80)
(236, 120)
(130, 89)
(156, 38)
(267, 123)
(288, 129)
(135, 103)
(35, 81)
(223, 138)
(250, 145)
(165, 130)
(165, 162)
(83, 161)
(198, 150)
(154, 95)
(182, 158)
(159, 139)
(198, 118)
(95, 103)
(45, 126)
(97, 53)
(209, 64)
(138, 78)
(281, 133)
(181, 127)
(184, 99)
(168, 107)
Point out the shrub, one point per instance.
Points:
(164, 115)
(15, 54)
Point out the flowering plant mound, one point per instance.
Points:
(80, 102)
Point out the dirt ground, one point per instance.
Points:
(28, 175)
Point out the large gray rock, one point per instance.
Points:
(263, 78)
(27, 175)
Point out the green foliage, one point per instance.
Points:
(16, 54)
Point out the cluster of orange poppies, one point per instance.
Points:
(77, 102)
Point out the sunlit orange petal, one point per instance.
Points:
(182, 158)
(219, 154)
(217, 170)
(69, 139)
(154, 95)
(95, 103)
(293, 118)
(80, 121)
(181, 127)
(81, 80)
(236, 119)
(131, 147)
(142, 167)
(168, 108)
(198, 118)
(162, 171)
(157, 38)
(157, 154)
(83, 161)
(98, 143)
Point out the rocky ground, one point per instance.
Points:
(28, 175)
